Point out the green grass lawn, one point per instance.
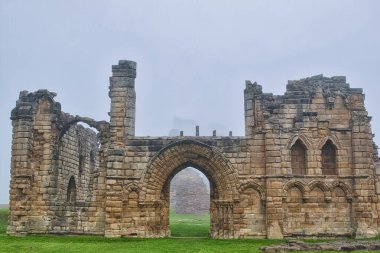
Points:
(181, 225)
(189, 225)
(3, 220)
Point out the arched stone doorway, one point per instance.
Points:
(155, 195)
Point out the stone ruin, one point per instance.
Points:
(304, 168)
(189, 193)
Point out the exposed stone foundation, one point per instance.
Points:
(305, 167)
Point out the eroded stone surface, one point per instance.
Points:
(305, 167)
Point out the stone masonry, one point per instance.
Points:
(306, 166)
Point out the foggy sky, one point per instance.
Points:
(193, 57)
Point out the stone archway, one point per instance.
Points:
(177, 156)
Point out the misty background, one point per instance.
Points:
(193, 57)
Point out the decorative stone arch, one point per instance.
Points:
(251, 206)
(302, 187)
(333, 139)
(189, 153)
(340, 209)
(130, 214)
(254, 186)
(346, 99)
(344, 187)
(308, 152)
(308, 144)
(321, 185)
(131, 187)
(293, 206)
(317, 183)
(160, 170)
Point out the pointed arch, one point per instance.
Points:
(251, 206)
(293, 202)
(298, 158)
(316, 183)
(295, 184)
(255, 186)
(333, 139)
(313, 185)
(71, 195)
(301, 137)
(131, 187)
(344, 187)
(329, 157)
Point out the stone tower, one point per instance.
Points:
(123, 101)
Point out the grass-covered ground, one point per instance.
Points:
(3, 220)
(181, 225)
(189, 225)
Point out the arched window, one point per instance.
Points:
(71, 191)
(329, 159)
(298, 156)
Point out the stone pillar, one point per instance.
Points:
(252, 107)
(363, 166)
(122, 125)
(123, 101)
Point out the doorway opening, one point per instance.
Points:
(189, 204)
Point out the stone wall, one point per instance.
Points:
(305, 167)
(78, 159)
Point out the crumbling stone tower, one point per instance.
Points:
(305, 167)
